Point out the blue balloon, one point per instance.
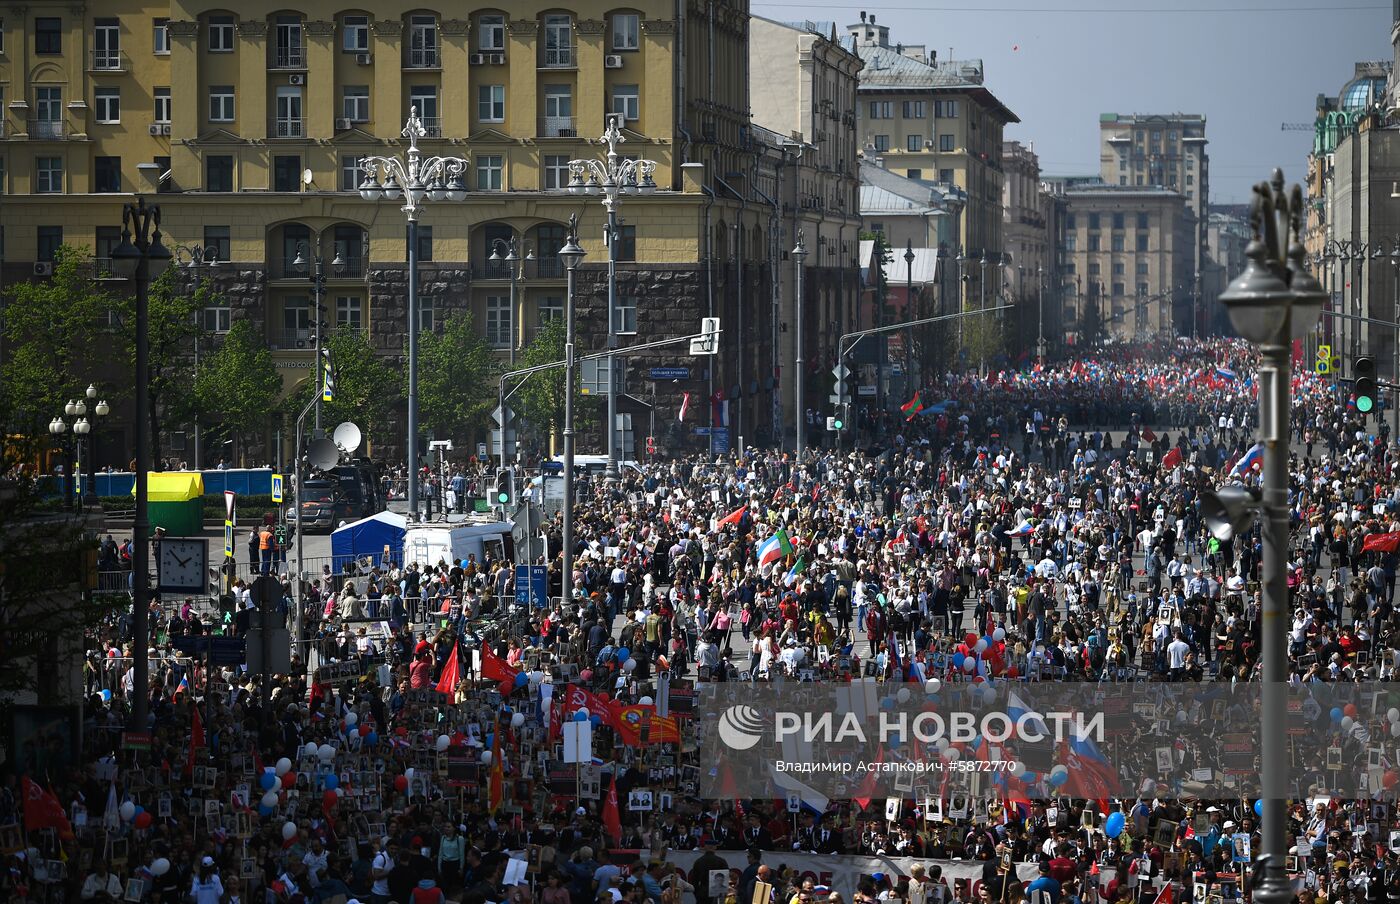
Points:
(139, 810)
(267, 781)
(1027, 776)
(580, 716)
(1113, 826)
(106, 696)
(1057, 779)
(372, 738)
(264, 811)
(522, 679)
(623, 654)
(595, 720)
(1336, 714)
(1258, 808)
(958, 660)
(331, 781)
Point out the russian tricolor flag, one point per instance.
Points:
(1249, 461)
(1024, 529)
(770, 551)
(1225, 373)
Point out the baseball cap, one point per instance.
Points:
(207, 861)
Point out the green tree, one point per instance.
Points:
(172, 329)
(56, 338)
(366, 387)
(237, 386)
(1091, 329)
(457, 378)
(541, 399)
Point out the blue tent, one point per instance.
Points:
(368, 537)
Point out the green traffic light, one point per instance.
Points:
(1364, 404)
(503, 497)
(836, 423)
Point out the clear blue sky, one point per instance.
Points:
(1248, 65)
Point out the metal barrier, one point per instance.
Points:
(110, 672)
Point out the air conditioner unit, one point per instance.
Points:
(364, 59)
(497, 59)
(43, 268)
(476, 59)
(301, 343)
(165, 128)
(612, 61)
(155, 128)
(296, 79)
(342, 124)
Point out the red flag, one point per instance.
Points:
(43, 811)
(452, 673)
(733, 517)
(1165, 895)
(867, 785)
(494, 668)
(1172, 458)
(612, 819)
(196, 737)
(1381, 542)
(627, 722)
(1148, 435)
(496, 787)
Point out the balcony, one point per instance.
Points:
(559, 58)
(287, 127)
(557, 127)
(289, 57)
(423, 58)
(109, 61)
(291, 339)
(540, 268)
(42, 129)
(432, 126)
(284, 268)
(104, 268)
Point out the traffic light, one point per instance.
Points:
(1363, 372)
(834, 424)
(505, 486)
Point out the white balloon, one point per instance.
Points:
(630, 665)
(646, 701)
(127, 811)
(160, 866)
(999, 635)
(969, 665)
(941, 743)
(952, 754)
(517, 720)
(1060, 770)
(902, 695)
(1393, 714)
(443, 742)
(1395, 730)
(351, 718)
(1347, 723)
(326, 752)
(981, 645)
(339, 791)
(584, 710)
(284, 766)
(276, 783)
(536, 676)
(932, 686)
(289, 831)
(311, 748)
(269, 800)
(485, 757)
(408, 773)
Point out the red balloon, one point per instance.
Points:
(289, 780)
(364, 729)
(400, 783)
(970, 639)
(401, 731)
(1350, 710)
(143, 820)
(1389, 779)
(328, 800)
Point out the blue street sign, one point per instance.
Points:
(702, 431)
(531, 588)
(670, 373)
(276, 487)
(220, 650)
(719, 439)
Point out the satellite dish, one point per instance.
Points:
(307, 176)
(322, 455)
(347, 437)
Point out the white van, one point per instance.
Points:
(597, 465)
(430, 544)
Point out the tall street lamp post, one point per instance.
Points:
(317, 274)
(799, 373)
(908, 315)
(415, 180)
(1040, 314)
(193, 259)
(82, 458)
(141, 257)
(510, 259)
(1275, 301)
(612, 179)
(572, 254)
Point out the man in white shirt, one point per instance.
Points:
(380, 868)
(102, 885)
(1177, 652)
(207, 887)
(316, 861)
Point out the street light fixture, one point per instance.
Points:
(413, 181)
(317, 275)
(141, 257)
(610, 181)
(908, 315)
(1275, 301)
(516, 274)
(571, 254)
(799, 375)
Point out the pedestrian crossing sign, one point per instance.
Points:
(1324, 363)
(228, 539)
(276, 487)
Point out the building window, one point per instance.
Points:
(491, 33)
(50, 174)
(107, 174)
(49, 239)
(216, 318)
(913, 143)
(1118, 289)
(354, 34)
(161, 97)
(945, 176)
(221, 34)
(1093, 221)
(626, 102)
(218, 173)
(425, 243)
(221, 103)
(1094, 268)
(1117, 242)
(286, 172)
(1117, 221)
(491, 103)
(347, 311)
(424, 97)
(1118, 268)
(48, 35)
(350, 175)
(107, 103)
(559, 40)
(1094, 242)
(1190, 179)
(913, 109)
(945, 109)
(1142, 241)
(627, 243)
(625, 315)
(1071, 242)
(882, 109)
(915, 174)
(882, 142)
(558, 102)
(423, 42)
(488, 172)
(626, 31)
(425, 314)
(217, 239)
(947, 142)
(354, 103)
(160, 35)
(556, 171)
(498, 321)
(1142, 268)
(551, 308)
(594, 376)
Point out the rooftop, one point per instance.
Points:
(882, 191)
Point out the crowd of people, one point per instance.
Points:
(1041, 525)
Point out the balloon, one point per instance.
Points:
(517, 720)
(1395, 730)
(536, 676)
(953, 754)
(646, 701)
(521, 680)
(311, 748)
(269, 782)
(1350, 710)
(999, 635)
(970, 638)
(331, 781)
(630, 665)
(351, 718)
(107, 698)
(264, 812)
(1393, 714)
(408, 773)
(1113, 826)
(485, 757)
(400, 783)
(981, 645)
(443, 742)
(1347, 722)
(364, 729)
(142, 821)
(289, 780)
(284, 766)
(289, 831)
(581, 716)
(958, 660)
(160, 866)
(326, 752)
(1389, 779)
(1336, 714)
(127, 811)
(902, 695)
(372, 738)
(969, 665)
(1027, 776)
(596, 720)
(932, 686)
(140, 809)
(623, 654)
(1258, 808)
(269, 800)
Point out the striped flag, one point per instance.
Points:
(685, 406)
(1249, 460)
(327, 376)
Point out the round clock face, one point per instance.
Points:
(182, 564)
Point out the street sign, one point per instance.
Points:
(480, 450)
(1323, 364)
(502, 415)
(276, 487)
(865, 390)
(840, 371)
(531, 588)
(228, 539)
(719, 439)
(835, 399)
(218, 650)
(136, 740)
(670, 373)
(702, 431)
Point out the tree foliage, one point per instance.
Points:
(172, 330)
(57, 338)
(541, 399)
(366, 387)
(237, 386)
(457, 378)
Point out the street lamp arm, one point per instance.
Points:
(888, 328)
